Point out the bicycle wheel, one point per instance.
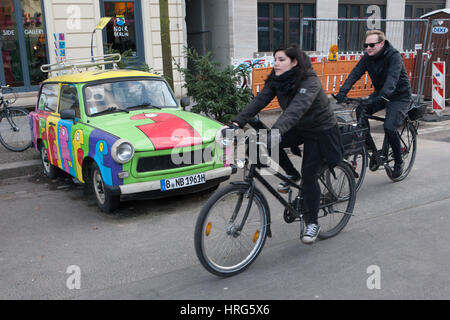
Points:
(358, 162)
(15, 129)
(408, 142)
(220, 247)
(337, 200)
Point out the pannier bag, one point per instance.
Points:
(416, 111)
(353, 138)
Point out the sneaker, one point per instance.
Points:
(398, 170)
(284, 187)
(374, 161)
(311, 233)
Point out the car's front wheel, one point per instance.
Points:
(106, 200)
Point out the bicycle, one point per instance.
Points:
(233, 225)
(408, 139)
(15, 128)
(245, 71)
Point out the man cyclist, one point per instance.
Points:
(392, 91)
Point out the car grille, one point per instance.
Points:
(173, 161)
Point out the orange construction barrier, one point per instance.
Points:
(332, 75)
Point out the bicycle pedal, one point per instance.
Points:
(285, 190)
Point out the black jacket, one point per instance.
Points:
(387, 72)
(307, 110)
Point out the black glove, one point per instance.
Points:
(340, 97)
(376, 100)
(231, 127)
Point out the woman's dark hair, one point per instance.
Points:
(304, 66)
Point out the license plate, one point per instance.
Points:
(182, 182)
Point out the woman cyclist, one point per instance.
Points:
(306, 119)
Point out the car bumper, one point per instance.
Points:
(216, 174)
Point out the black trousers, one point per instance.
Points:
(312, 162)
(395, 115)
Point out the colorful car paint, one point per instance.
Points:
(160, 137)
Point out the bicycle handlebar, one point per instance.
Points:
(349, 100)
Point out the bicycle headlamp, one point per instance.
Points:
(222, 141)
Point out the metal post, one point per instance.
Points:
(301, 33)
(92, 45)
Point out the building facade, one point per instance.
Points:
(31, 30)
(28, 29)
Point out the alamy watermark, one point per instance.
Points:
(74, 280)
(374, 280)
(235, 148)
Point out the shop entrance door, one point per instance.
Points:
(124, 31)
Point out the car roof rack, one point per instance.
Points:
(77, 64)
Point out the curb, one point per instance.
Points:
(20, 168)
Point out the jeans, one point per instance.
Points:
(395, 115)
(312, 162)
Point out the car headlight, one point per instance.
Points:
(122, 151)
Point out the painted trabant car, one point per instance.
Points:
(123, 134)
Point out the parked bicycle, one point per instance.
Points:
(232, 226)
(15, 128)
(245, 73)
(408, 139)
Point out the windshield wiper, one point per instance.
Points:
(111, 109)
(144, 106)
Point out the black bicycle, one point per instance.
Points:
(15, 128)
(233, 225)
(358, 157)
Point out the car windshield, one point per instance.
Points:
(118, 95)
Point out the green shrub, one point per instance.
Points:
(216, 92)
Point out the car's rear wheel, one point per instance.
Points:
(49, 169)
(106, 200)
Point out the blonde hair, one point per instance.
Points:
(379, 33)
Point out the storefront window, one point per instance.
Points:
(34, 39)
(9, 42)
(23, 43)
(121, 31)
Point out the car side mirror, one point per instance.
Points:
(67, 114)
(185, 102)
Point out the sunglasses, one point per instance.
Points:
(370, 44)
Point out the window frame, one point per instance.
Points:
(57, 97)
(61, 88)
(286, 22)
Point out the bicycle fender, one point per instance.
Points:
(355, 174)
(240, 183)
(263, 199)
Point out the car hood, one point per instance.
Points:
(158, 129)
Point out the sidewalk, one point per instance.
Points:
(14, 164)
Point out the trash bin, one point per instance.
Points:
(439, 47)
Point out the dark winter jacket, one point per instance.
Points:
(307, 109)
(387, 72)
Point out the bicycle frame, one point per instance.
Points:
(249, 179)
(385, 146)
